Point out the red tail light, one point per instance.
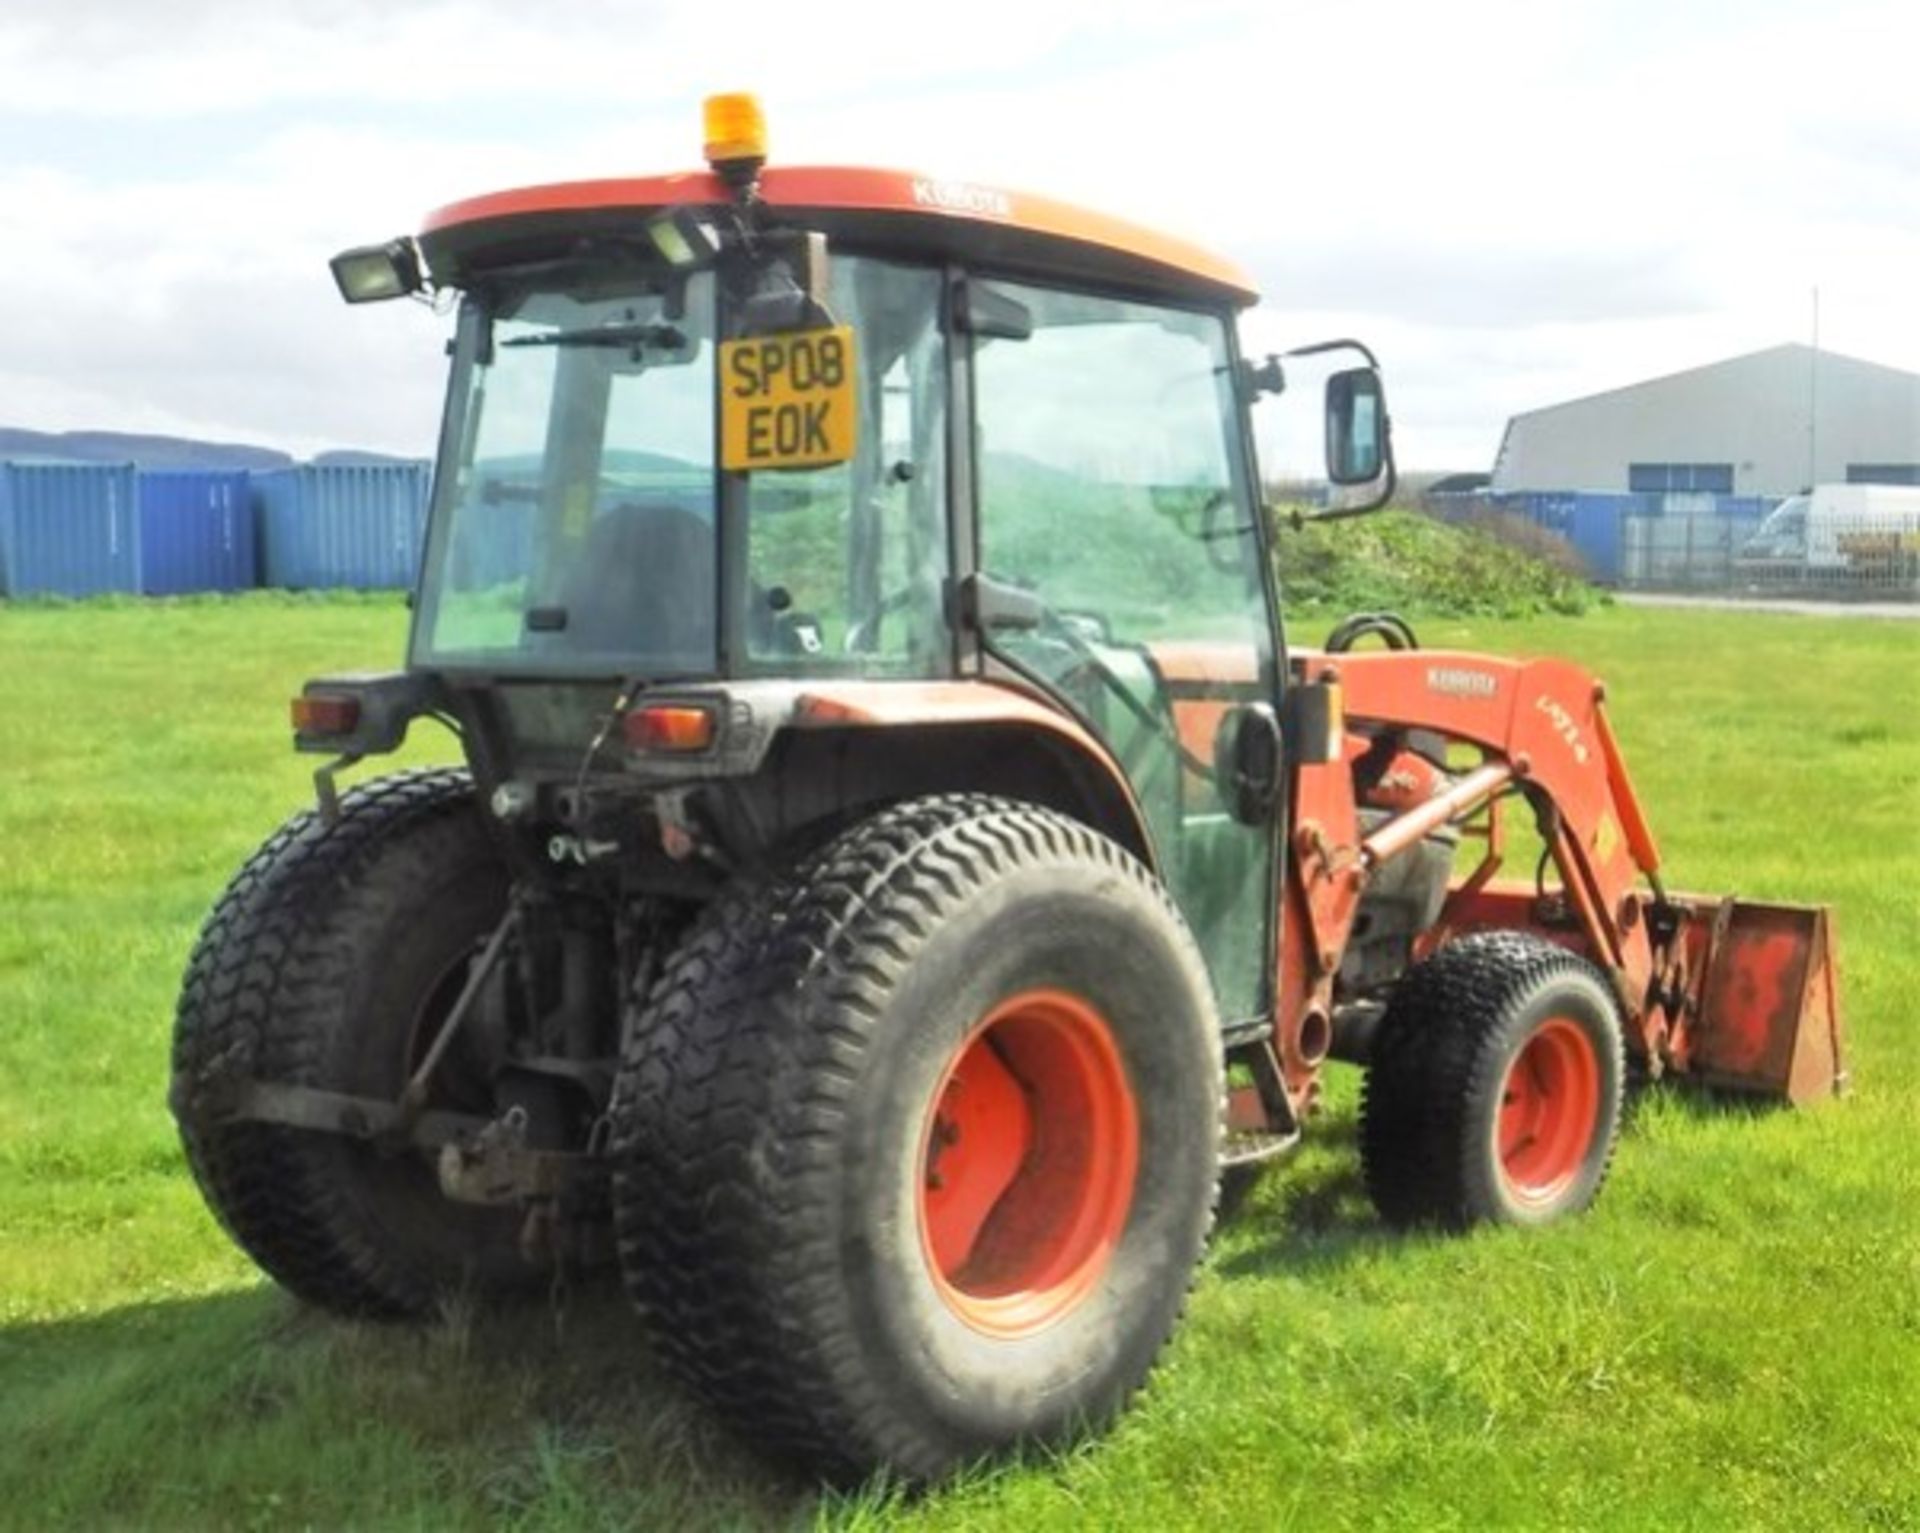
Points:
(323, 715)
(669, 727)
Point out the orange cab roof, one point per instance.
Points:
(980, 222)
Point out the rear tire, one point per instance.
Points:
(321, 966)
(1494, 1092)
(861, 1263)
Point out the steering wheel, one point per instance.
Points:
(1057, 630)
(1222, 543)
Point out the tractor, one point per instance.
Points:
(902, 871)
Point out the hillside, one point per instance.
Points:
(163, 451)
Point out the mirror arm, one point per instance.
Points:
(1341, 345)
(1296, 519)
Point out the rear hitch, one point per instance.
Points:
(495, 1164)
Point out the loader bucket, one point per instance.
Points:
(1768, 1017)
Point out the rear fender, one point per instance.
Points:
(891, 739)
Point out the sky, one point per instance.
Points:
(1513, 203)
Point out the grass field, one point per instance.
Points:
(1731, 1339)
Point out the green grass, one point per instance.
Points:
(1731, 1339)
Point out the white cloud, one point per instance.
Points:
(1517, 203)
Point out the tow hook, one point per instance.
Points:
(580, 850)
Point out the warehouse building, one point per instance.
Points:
(1763, 425)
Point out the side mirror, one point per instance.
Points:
(1246, 762)
(1356, 426)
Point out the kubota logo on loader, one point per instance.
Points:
(788, 401)
(1457, 681)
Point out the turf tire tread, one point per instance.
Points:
(726, 1236)
(279, 945)
(1439, 1044)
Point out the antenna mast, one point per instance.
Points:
(1813, 398)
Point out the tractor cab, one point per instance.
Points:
(781, 447)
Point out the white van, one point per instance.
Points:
(1829, 527)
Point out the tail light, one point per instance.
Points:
(319, 714)
(673, 727)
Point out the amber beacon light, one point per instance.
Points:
(736, 130)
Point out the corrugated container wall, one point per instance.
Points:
(1598, 529)
(68, 529)
(196, 532)
(342, 525)
(1591, 520)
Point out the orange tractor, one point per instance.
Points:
(900, 866)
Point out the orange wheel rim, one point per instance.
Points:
(1028, 1155)
(1549, 1106)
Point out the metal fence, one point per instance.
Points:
(1681, 553)
(1710, 543)
(1865, 557)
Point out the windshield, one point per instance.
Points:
(1783, 532)
(578, 509)
(574, 509)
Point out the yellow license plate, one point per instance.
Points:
(788, 401)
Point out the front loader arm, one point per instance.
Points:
(1740, 994)
(1545, 722)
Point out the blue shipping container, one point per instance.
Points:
(1597, 530)
(196, 532)
(341, 525)
(1593, 521)
(1551, 509)
(68, 529)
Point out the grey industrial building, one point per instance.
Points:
(1765, 424)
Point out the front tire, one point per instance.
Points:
(915, 1151)
(1494, 1093)
(324, 965)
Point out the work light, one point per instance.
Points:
(371, 273)
(683, 240)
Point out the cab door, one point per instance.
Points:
(1111, 486)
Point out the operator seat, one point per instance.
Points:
(645, 584)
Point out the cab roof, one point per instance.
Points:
(889, 210)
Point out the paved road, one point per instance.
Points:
(1906, 609)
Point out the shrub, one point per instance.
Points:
(1403, 560)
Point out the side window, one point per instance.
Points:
(1110, 488)
(847, 565)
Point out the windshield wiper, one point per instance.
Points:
(660, 337)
